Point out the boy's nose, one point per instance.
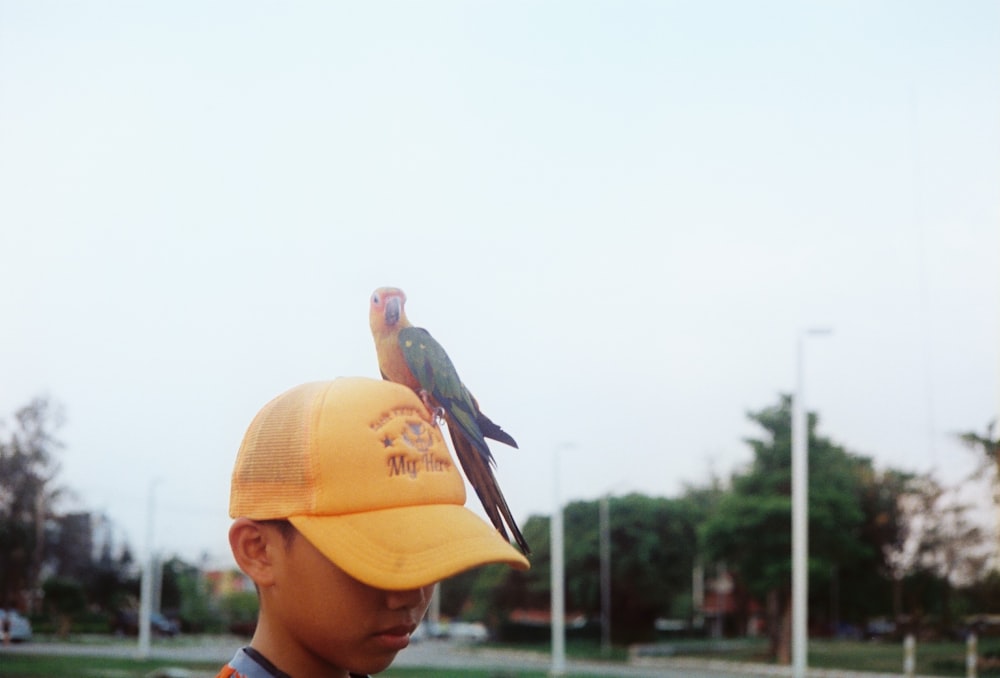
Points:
(397, 600)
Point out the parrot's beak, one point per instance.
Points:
(393, 305)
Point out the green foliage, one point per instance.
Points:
(17, 543)
(107, 580)
(987, 444)
(498, 589)
(854, 521)
(32, 532)
(239, 607)
(196, 608)
(484, 594)
(747, 532)
(752, 527)
(27, 470)
(653, 547)
(864, 581)
(64, 596)
(42, 665)
(985, 592)
(64, 600)
(852, 517)
(454, 593)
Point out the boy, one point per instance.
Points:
(348, 508)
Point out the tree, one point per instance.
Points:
(498, 589)
(36, 538)
(69, 545)
(64, 600)
(239, 610)
(941, 549)
(751, 528)
(872, 577)
(186, 592)
(653, 547)
(107, 579)
(27, 492)
(455, 594)
(990, 448)
(983, 595)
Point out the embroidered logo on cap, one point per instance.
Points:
(412, 446)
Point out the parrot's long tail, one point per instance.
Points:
(493, 431)
(481, 477)
(488, 427)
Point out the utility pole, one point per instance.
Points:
(800, 512)
(146, 585)
(558, 575)
(605, 548)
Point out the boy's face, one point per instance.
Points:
(321, 619)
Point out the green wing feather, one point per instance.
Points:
(467, 425)
(432, 367)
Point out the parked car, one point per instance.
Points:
(470, 632)
(127, 623)
(473, 632)
(17, 626)
(880, 628)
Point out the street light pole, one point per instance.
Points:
(557, 577)
(800, 512)
(558, 574)
(146, 584)
(604, 521)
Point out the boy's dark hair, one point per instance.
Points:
(284, 526)
(288, 533)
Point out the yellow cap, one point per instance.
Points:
(361, 470)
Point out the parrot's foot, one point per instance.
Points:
(436, 412)
(426, 398)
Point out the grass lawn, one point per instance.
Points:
(462, 673)
(933, 659)
(575, 649)
(39, 665)
(42, 666)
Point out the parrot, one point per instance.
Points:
(410, 356)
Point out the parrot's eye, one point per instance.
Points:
(375, 299)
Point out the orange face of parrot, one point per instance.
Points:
(387, 316)
(386, 310)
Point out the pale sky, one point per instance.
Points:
(617, 217)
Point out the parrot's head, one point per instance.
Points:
(386, 311)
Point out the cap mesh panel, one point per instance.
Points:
(274, 470)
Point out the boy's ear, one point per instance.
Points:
(249, 541)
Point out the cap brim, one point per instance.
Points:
(408, 547)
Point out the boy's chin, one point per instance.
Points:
(375, 664)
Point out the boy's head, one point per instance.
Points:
(359, 469)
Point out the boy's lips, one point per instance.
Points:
(395, 637)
